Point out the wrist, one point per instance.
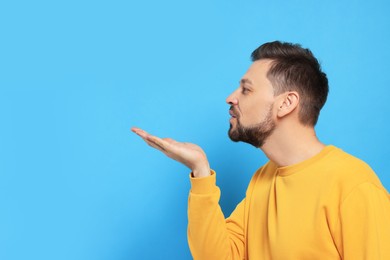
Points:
(201, 172)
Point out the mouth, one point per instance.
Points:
(232, 113)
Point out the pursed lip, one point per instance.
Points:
(232, 113)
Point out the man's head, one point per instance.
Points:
(284, 77)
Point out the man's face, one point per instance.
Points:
(252, 106)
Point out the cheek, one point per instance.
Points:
(255, 113)
(251, 114)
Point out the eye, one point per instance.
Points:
(244, 91)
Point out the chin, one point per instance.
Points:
(233, 135)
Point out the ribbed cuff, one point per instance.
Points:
(204, 185)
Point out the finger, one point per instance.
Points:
(162, 144)
(158, 143)
(154, 145)
(152, 141)
(170, 140)
(135, 129)
(140, 132)
(143, 134)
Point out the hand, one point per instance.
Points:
(188, 154)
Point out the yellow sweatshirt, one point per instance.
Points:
(331, 206)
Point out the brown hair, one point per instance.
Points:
(296, 69)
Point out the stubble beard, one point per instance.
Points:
(255, 135)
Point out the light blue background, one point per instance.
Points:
(76, 75)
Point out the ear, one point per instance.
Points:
(287, 103)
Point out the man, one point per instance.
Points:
(310, 201)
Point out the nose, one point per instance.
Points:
(231, 99)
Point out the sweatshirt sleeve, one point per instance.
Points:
(210, 236)
(365, 223)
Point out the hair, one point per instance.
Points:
(294, 68)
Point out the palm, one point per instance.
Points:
(188, 154)
(185, 153)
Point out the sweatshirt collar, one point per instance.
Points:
(291, 169)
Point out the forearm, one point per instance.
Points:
(209, 235)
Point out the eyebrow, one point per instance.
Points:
(245, 81)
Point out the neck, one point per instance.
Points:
(292, 144)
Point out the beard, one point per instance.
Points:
(255, 135)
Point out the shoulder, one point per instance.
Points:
(347, 172)
(345, 165)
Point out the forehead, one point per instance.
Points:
(257, 73)
(259, 68)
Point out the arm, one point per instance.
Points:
(209, 235)
(365, 223)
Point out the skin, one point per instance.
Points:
(188, 154)
(252, 100)
(251, 106)
(251, 103)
